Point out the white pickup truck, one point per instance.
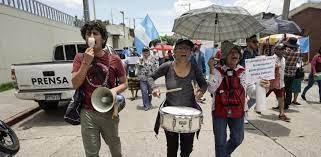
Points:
(48, 83)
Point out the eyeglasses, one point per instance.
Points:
(183, 48)
(255, 41)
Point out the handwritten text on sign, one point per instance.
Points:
(132, 60)
(261, 67)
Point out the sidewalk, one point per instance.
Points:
(11, 108)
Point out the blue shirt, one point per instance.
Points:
(247, 55)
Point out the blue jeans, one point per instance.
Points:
(146, 90)
(310, 84)
(224, 148)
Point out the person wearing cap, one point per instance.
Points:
(277, 84)
(198, 58)
(146, 65)
(291, 55)
(179, 74)
(229, 99)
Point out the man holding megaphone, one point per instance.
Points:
(95, 71)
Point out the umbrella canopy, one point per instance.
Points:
(217, 23)
(165, 48)
(274, 26)
(273, 39)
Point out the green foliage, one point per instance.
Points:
(170, 40)
(6, 86)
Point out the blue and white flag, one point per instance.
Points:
(304, 45)
(144, 33)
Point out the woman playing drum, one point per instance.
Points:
(180, 74)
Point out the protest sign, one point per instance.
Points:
(132, 60)
(261, 67)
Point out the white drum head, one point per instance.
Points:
(180, 110)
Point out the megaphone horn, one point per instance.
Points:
(102, 99)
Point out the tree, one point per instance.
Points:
(164, 39)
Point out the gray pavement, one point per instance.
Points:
(10, 106)
(46, 134)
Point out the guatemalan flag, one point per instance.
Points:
(304, 44)
(144, 33)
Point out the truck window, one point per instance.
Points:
(70, 51)
(59, 53)
(81, 48)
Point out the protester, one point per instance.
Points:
(251, 51)
(315, 69)
(179, 74)
(133, 81)
(198, 58)
(146, 65)
(291, 56)
(92, 69)
(277, 85)
(296, 85)
(229, 90)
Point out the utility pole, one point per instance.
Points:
(286, 8)
(134, 24)
(122, 12)
(189, 6)
(135, 21)
(86, 10)
(112, 18)
(94, 10)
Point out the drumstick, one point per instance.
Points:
(170, 90)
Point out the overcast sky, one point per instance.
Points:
(162, 12)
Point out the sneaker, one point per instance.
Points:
(303, 97)
(246, 121)
(275, 108)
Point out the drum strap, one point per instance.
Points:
(157, 122)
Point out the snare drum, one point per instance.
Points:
(180, 119)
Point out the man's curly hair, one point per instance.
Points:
(97, 25)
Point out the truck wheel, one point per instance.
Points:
(48, 105)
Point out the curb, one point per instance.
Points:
(21, 115)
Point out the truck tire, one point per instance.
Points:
(48, 105)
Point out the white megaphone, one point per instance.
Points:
(103, 100)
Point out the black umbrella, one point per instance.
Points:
(277, 26)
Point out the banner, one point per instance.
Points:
(261, 67)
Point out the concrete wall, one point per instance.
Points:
(29, 38)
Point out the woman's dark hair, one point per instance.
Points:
(97, 25)
(320, 50)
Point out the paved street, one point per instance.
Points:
(46, 134)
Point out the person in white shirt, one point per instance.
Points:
(277, 85)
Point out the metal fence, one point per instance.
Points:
(37, 8)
